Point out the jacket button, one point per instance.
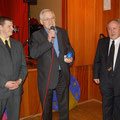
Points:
(112, 75)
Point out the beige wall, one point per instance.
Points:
(55, 5)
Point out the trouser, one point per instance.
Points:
(62, 93)
(12, 104)
(111, 105)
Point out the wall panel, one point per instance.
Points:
(86, 19)
(110, 14)
(84, 75)
(82, 26)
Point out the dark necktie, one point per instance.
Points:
(111, 57)
(7, 46)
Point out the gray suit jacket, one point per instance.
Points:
(11, 68)
(41, 50)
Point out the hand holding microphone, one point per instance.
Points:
(51, 34)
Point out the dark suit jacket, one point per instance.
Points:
(100, 69)
(41, 49)
(11, 68)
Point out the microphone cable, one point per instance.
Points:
(48, 81)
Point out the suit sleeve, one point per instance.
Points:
(39, 45)
(23, 68)
(97, 63)
(3, 81)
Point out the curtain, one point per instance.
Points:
(18, 11)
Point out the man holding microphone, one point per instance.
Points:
(49, 45)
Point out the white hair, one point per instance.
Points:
(116, 20)
(45, 10)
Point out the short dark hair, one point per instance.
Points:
(3, 19)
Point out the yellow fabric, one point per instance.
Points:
(3, 39)
(72, 101)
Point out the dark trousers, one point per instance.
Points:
(111, 105)
(12, 104)
(62, 93)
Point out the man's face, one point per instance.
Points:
(113, 30)
(6, 30)
(48, 20)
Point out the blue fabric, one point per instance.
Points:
(56, 47)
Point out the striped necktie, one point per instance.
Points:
(111, 56)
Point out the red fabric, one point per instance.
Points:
(18, 11)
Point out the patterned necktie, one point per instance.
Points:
(7, 46)
(111, 57)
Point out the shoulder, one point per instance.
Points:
(104, 40)
(41, 30)
(16, 43)
(36, 32)
(60, 29)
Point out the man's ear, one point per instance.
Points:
(41, 22)
(0, 27)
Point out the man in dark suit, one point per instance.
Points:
(49, 45)
(107, 71)
(13, 70)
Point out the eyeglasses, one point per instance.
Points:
(48, 19)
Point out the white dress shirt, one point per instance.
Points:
(116, 43)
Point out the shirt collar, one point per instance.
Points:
(48, 30)
(3, 39)
(117, 41)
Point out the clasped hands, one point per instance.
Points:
(12, 85)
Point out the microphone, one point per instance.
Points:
(52, 28)
(15, 29)
(25, 42)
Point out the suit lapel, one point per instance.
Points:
(6, 54)
(44, 33)
(12, 47)
(59, 37)
(106, 48)
(4, 47)
(2, 44)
